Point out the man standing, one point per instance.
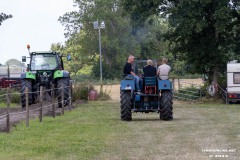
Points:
(164, 69)
(128, 70)
(149, 70)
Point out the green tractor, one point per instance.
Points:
(45, 69)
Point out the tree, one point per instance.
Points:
(14, 62)
(202, 32)
(117, 43)
(150, 38)
(118, 40)
(140, 11)
(4, 17)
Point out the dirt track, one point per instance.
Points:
(18, 114)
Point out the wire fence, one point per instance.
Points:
(187, 91)
(59, 97)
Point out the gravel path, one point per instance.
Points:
(18, 114)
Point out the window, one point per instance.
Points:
(43, 62)
(236, 78)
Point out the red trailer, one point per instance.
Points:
(5, 82)
(11, 76)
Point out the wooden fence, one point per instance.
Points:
(28, 109)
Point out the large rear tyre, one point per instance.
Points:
(26, 84)
(126, 109)
(63, 82)
(166, 110)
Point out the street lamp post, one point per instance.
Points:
(102, 26)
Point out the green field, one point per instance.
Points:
(94, 131)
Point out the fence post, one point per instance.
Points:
(27, 107)
(200, 90)
(53, 101)
(41, 104)
(8, 106)
(62, 99)
(70, 95)
(226, 97)
(173, 86)
(179, 84)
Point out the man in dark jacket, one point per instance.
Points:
(149, 70)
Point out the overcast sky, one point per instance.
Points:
(34, 22)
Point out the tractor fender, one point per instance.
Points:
(61, 74)
(164, 85)
(127, 85)
(28, 75)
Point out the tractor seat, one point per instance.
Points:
(150, 84)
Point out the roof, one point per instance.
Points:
(44, 52)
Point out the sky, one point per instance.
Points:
(34, 22)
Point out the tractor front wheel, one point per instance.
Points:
(26, 84)
(63, 82)
(126, 109)
(166, 112)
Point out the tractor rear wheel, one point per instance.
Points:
(166, 112)
(26, 84)
(126, 109)
(63, 82)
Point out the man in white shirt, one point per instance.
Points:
(163, 70)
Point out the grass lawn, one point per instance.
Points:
(80, 134)
(94, 131)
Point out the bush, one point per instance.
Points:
(15, 97)
(104, 98)
(80, 91)
(94, 80)
(2, 95)
(220, 95)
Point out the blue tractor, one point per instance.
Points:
(155, 96)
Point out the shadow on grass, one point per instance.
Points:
(145, 119)
(136, 119)
(151, 119)
(180, 119)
